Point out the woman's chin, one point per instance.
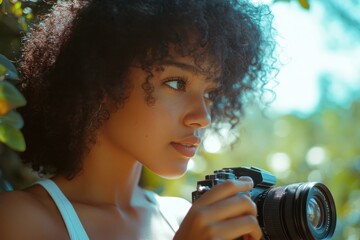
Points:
(173, 173)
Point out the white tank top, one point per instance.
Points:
(73, 224)
(75, 228)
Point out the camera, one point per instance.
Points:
(294, 212)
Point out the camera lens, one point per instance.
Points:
(315, 212)
(297, 211)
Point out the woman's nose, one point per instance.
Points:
(198, 114)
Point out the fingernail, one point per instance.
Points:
(246, 179)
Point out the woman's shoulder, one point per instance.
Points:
(17, 204)
(176, 203)
(174, 206)
(24, 215)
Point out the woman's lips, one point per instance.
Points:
(186, 150)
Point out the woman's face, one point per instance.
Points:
(165, 135)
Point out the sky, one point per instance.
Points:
(304, 38)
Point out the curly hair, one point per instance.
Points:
(82, 51)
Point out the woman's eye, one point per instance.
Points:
(177, 84)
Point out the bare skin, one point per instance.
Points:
(106, 195)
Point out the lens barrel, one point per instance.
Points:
(297, 211)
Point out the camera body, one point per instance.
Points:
(261, 178)
(294, 212)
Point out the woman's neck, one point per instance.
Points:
(108, 176)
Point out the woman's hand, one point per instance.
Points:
(222, 213)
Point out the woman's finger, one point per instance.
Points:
(246, 226)
(235, 206)
(225, 190)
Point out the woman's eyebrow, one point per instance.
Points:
(181, 65)
(189, 67)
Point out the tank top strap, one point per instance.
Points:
(75, 228)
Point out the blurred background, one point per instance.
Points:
(310, 132)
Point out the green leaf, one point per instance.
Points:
(304, 3)
(23, 23)
(17, 5)
(2, 70)
(12, 118)
(10, 97)
(11, 72)
(5, 8)
(12, 137)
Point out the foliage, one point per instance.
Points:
(21, 13)
(11, 138)
(10, 98)
(16, 17)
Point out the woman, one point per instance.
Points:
(114, 85)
